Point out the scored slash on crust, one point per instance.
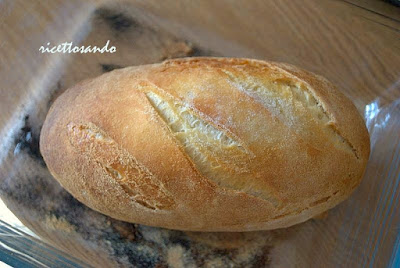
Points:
(249, 85)
(216, 154)
(134, 178)
(282, 98)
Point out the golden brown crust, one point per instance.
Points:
(207, 144)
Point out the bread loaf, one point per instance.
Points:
(207, 144)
